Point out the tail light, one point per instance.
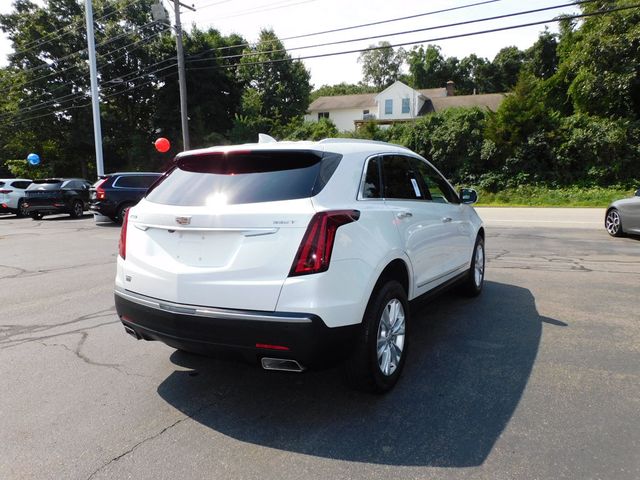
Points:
(314, 253)
(100, 193)
(6, 191)
(122, 244)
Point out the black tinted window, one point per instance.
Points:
(20, 184)
(399, 179)
(245, 177)
(45, 185)
(437, 187)
(135, 181)
(371, 187)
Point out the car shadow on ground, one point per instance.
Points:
(470, 361)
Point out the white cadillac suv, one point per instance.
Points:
(294, 254)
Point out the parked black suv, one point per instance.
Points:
(56, 195)
(114, 193)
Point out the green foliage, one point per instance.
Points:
(452, 140)
(298, 129)
(342, 89)
(381, 67)
(22, 169)
(279, 85)
(542, 196)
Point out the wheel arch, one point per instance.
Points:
(398, 270)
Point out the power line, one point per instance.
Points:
(56, 72)
(437, 39)
(79, 95)
(79, 22)
(372, 37)
(379, 22)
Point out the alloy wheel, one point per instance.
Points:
(391, 333)
(612, 222)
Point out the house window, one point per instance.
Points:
(405, 105)
(365, 112)
(323, 115)
(388, 106)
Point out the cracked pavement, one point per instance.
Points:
(537, 378)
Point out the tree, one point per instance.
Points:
(542, 57)
(428, 67)
(507, 64)
(277, 87)
(601, 65)
(342, 89)
(381, 67)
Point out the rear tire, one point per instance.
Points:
(121, 212)
(77, 209)
(381, 346)
(21, 212)
(474, 280)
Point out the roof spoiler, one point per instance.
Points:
(264, 138)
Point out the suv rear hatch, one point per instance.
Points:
(222, 229)
(45, 192)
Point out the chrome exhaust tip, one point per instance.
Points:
(131, 332)
(281, 364)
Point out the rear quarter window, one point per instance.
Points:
(44, 185)
(135, 181)
(245, 177)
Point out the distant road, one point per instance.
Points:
(589, 218)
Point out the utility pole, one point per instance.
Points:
(181, 74)
(95, 99)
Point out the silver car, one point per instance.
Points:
(12, 195)
(623, 216)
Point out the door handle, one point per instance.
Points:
(446, 219)
(404, 214)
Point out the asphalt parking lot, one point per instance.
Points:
(538, 378)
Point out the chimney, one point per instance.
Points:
(451, 86)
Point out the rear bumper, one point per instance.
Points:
(235, 333)
(47, 209)
(103, 207)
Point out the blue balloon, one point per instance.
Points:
(33, 159)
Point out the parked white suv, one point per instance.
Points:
(295, 254)
(12, 195)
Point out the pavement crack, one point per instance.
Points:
(77, 351)
(152, 437)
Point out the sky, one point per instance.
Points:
(290, 18)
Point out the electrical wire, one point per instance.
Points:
(75, 23)
(428, 40)
(468, 34)
(103, 55)
(386, 35)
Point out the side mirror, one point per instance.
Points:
(468, 196)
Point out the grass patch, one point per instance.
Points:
(537, 196)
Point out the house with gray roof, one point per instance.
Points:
(396, 103)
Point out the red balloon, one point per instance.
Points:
(162, 145)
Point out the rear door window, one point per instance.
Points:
(399, 179)
(245, 177)
(46, 185)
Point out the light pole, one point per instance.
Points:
(182, 74)
(95, 99)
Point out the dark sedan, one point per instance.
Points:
(57, 195)
(623, 216)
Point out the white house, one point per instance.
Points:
(396, 103)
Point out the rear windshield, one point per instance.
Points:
(245, 177)
(45, 185)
